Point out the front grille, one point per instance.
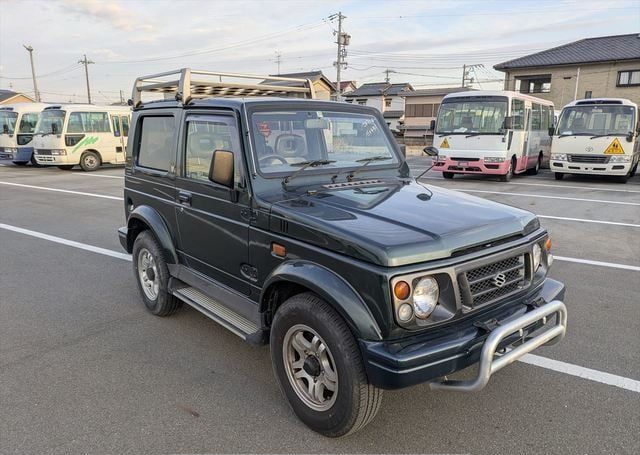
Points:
(598, 159)
(465, 159)
(43, 151)
(491, 282)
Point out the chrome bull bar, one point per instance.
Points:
(489, 363)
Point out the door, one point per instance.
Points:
(213, 220)
(521, 161)
(120, 144)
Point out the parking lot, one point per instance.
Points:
(84, 368)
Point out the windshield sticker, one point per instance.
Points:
(84, 142)
(615, 148)
(445, 144)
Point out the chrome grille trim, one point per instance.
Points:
(597, 159)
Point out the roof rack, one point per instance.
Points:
(181, 82)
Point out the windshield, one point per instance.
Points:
(472, 116)
(595, 120)
(48, 119)
(28, 123)
(286, 140)
(7, 122)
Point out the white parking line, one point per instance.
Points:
(543, 362)
(53, 238)
(581, 220)
(546, 197)
(44, 188)
(105, 176)
(612, 265)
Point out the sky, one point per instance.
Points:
(425, 42)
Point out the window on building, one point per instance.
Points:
(387, 102)
(628, 78)
(421, 110)
(534, 84)
(362, 102)
(155, 149)
(588, 94)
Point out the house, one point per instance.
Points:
(323, 86)
(385, 97)
(11, 97)
(345, 87)
(420, 108)
(607, 66)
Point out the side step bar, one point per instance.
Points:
(489, 365)
(227, 318)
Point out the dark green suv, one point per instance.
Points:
(295, 222)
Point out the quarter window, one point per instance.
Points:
(155, 150)
(88, 122)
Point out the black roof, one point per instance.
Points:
(6, 94)
(588, 50)
(378, 89)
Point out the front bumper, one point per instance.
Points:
(567, 167)
(439, 352)
(471, 166)
(7, 153)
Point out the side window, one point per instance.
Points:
(204, 136)
(155, 147)
(116, 125)
(88, 122)
(125, 125)
(535, 117)
(517, 113)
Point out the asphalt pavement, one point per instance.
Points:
(85, 369)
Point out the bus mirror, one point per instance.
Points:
(432, 125)
(630, 136)
(551, 131)
(430, 151)
(508, 123)
(54, 128)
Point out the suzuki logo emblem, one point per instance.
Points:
(499, 280)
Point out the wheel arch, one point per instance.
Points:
(298, 276)
(144, 218)
(91, 150)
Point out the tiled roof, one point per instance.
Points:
(588, 50)
(380, 89)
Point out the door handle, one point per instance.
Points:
(184, 198)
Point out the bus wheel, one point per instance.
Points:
(634, 170)
(448, 175)
(534, 170)
(34, 162)
(558, 175)
(506, 177)
(90, 161)
(66, 167)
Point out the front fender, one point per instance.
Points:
(154, 221)
(330, 287)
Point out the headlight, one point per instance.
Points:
(537, 257)
(58, 152)
(441, 158)
(425, 297)
(559, 156)
(620, 159)
(494, 159)
(11, 150)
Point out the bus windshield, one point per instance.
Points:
(471, 116)
(47, 121)
(8, 122)
(596, 120)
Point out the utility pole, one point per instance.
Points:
(278, 60)
(342, 42)
(387, 79)
(122, 98)
(86, 64)
(466, 74)
(33, 72)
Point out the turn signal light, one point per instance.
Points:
(401, 290)
(278, 250)
(547, 245)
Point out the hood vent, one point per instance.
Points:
(334, 186)
(284, 226)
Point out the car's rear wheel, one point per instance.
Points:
(90, 161)
(152, 275)
(319, 367)
(448, 175)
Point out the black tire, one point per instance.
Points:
(164, 304)
(534, 170)
(33, 161)
(356, 402)
(90, 161)
(623, 178)
(634, 170)
(507, 177)
(448, 175)
(558, 175)
(66, 167)
(20, 163)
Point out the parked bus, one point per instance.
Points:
(597, 136)
(492, 132)
(84, 134)
(17, 125)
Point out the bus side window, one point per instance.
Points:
(125, 125)
(116, 125)
(517, 112)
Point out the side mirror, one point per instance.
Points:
(431, 151)
(551, 131)
(221, 170)
(508, 123)
(54, 128)
(432, 125)
(630, 136)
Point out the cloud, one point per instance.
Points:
(111, 12)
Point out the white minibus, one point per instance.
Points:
(83, 134)
(17, 125)
(597, 136)
(492, 132)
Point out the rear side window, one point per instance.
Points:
(155, 149)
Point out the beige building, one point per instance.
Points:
(420, 108)
(384, 96)
(11, 97)
(606, 66)
(322, 85)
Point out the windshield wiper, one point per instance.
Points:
(366, 162)
(305, 165)
(600, 135)
(472, 134)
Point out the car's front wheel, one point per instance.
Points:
(319, 367)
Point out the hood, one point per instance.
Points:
(393, 224)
